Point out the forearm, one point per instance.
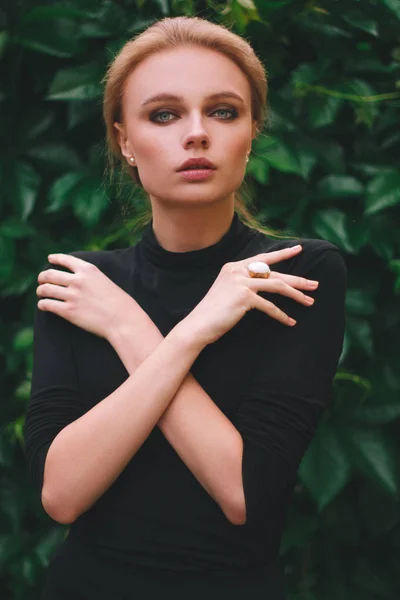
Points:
(88, 455)
(203, 437)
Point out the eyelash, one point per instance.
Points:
(233, 111)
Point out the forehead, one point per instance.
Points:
(192, 72)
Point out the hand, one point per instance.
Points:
(86, 297)
(234, 293)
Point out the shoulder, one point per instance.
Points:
(316, 254)
(115, 264)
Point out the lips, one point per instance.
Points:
(196, 163)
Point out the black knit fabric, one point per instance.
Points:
(156, 528)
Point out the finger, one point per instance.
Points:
(54, 306)
(273, 311)
(48, 290)
(273, 257)
(55, 276)
(278, 286)
(67, 260)
(297, 282)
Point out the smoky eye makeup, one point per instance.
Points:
(231, 111)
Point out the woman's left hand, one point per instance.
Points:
(86, 297)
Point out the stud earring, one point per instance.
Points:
(247, 159)
(131, 159)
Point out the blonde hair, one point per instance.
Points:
(173, 32)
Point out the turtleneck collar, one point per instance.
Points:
(237, 236)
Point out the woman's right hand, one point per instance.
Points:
(234, 292)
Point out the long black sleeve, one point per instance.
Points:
(54, 400)
(291, 387)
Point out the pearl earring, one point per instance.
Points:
(247, 159)
(131, 159)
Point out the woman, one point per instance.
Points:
(167, 418)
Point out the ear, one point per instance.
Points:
(123, 141)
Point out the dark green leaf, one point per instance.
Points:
(25, 187)
(331, 225)
(394, 6)
(258, 167)
(323, 109)
(282, 157)
(382, 192)
(56, 155)
(340, 185)
(373, 452)
(23, 339)
(16, 229)
(78, 83)
(60, 192)
(89, 201)
(3, 42)
(325, 468)
(358, 302)
(361, 22)
(51, 30)
(7, 256)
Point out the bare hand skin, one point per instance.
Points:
(79, 296)
(86, 297)
(234, 293)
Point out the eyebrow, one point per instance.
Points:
(216, 96)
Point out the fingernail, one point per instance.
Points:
(292, 322)
(296, 247)
(312, 284)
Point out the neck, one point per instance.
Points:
(184, 230)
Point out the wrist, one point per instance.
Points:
(190, 335)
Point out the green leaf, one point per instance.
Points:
(51, 30)
(322, 110)
(89, 201)
(373, 453)
(7, 257)
(298, 531)
(4, 37)
(23, 339)
(331, 225)
(281, 157)
(25, 187)
(340, 185)
(60, 192)
(360, 334)
(382, 192)
(377, 414)
(394, 6)
(258, 167)
(358, 20)
(358, 302)
(56, 155)
(16, 229)
(77, 83)
(307, 160)
(325, 468)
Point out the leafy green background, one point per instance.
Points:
(326, 167)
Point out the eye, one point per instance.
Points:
(233, 112)
(157, 114)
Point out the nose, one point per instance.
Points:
(196, 134)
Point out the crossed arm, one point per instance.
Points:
(203, 437)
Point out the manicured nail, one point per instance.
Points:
(312, 284)
(292, 322)
(296, 247)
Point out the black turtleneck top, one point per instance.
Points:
(156, 528)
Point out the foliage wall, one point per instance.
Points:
(326, 167)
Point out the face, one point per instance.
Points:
(162, 134)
